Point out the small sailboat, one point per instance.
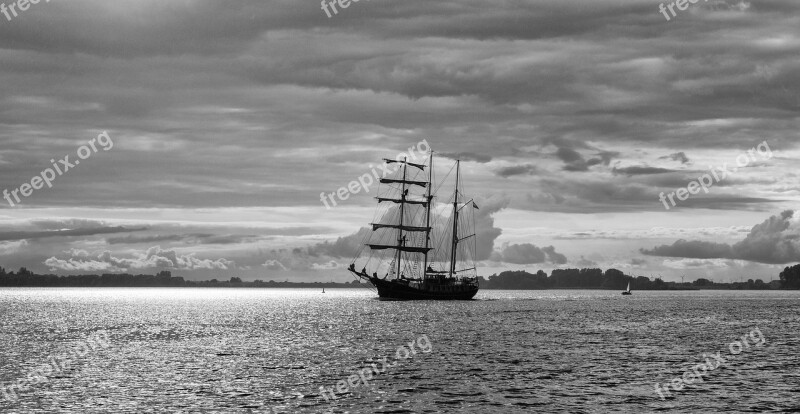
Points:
(413, 252)
(628, 292)
(323, 290)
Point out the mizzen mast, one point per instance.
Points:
(454, 243)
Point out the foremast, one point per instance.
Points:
(401, 246)
(400, 240)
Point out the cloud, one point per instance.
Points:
(152, 258)
(574, 161)
(485, 230)
(509, 171)
(327, 255)
(327, 89)
(775, 241)
(171, 259)
(273, 264)
(342, 247)
(641, 170)
(684, 264)
(32, 235)
(331, 265)
(466, 156)
(678, 156)
(76, 265)
(691, 248)
(11, 247)
(553, 256)
(527, 253)
(584, 262)
(130, 239)
(210, 238)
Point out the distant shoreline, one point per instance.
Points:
(561, 279)
(355, 285)
(334, 285)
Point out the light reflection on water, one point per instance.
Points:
(256, 350)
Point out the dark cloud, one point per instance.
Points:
(553, 256)
(145, 28)
(692, 249)
(574, 161)
(130, 239)
(527, 253)
(678, 156)
(466, 156)
(641, 170)
(569, 155)
(191, 238)
(171, 78)
(31, 235)
(513, 170)
(343, 248)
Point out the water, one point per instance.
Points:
(270, 350)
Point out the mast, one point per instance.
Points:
(454, 243)
(428, 217)
(400, 228)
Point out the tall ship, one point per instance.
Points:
(420, 247)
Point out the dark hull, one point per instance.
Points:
(626, 293)
(392, 290)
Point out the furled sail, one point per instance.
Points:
(420, 166)
(397, 226)
(407, 249)
(422, 184)
(397, 201)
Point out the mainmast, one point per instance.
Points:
(454, 243)
(400, 227)
(428, 216)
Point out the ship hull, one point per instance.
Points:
(392, 290)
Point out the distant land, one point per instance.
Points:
(611, 279)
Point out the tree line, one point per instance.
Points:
(616, 280)
(558, 279)
(26, 278)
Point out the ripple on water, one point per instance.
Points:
(253, 350)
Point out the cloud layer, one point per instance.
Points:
(229, 120)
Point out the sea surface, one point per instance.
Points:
(270, 351)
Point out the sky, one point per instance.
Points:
(208, 130)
